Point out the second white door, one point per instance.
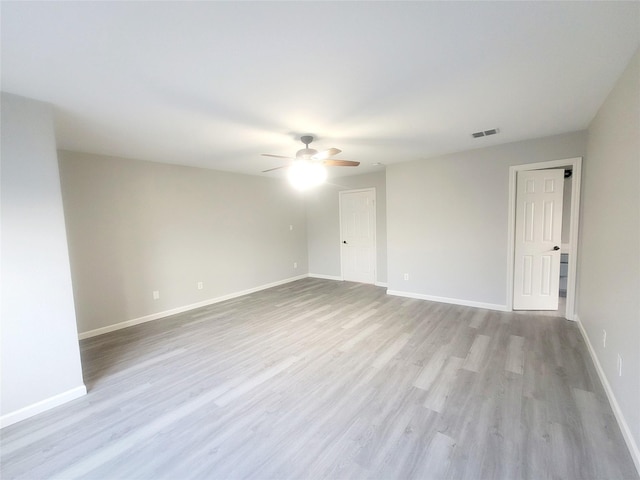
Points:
(358, 235)
(537, 239)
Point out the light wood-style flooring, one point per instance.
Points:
(326, 379)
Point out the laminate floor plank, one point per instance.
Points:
(391, 351)
(440, 389)
(323, 379)
(476, 357)
(515, 357)
(359, 319)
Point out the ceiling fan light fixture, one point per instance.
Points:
(304, 174)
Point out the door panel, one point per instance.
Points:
(357, 225)
(527, 275)
(538, 230)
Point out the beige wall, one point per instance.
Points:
(135, 227)
(39, 354)
(609, 250)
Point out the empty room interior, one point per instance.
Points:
(383, 240)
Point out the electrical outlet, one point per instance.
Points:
(290, 227)
(156, 294)
(200, 285)
(619, 365)
(295, 264)
(604, 338)
(406, 276)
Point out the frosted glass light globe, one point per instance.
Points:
(304, 174)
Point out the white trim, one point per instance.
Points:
(42, 406)
(622, 423)
(375, 228)
(340, 279)
(454, 301)
(325, 277)
(572, 274)
(173, 311)
(576, 164)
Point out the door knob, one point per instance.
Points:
(344, 241)
(556, 248)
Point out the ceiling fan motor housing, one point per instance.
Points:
(306, 153)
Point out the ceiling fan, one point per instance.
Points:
(311, 155)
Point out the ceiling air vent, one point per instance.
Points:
(485, 133)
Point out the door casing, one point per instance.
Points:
(576, 165)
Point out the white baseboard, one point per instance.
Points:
(340, 279)
(42, 406)
(185, 308)
(454, 301)
(622, 423)
(325, 277)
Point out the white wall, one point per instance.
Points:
(447, 219)
(609, 250)
(40, 355)
(323, 224)
(135, 227)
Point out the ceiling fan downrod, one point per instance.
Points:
(306, 153)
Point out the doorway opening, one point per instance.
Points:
(569, 249)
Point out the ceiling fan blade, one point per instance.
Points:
(276, 168)
(340, 163)
(276, 156)
(326, 153)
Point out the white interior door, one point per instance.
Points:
(538, 235)
(358, 235)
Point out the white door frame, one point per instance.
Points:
(375, 218)
(576, 164)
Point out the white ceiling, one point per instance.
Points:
(214, 84)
